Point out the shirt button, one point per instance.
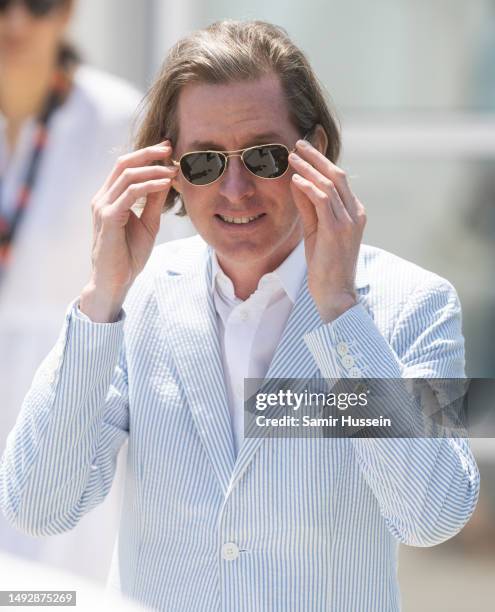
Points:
(243, 315)
(230, 551)
(355, 372)
(223, 281)
(342, 349)
(348, 361)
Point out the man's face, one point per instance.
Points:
(230, 117)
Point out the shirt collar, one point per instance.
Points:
(289, 275)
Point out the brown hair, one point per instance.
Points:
(229, 51)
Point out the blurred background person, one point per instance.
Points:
(62, 123)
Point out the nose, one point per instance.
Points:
(237, 183)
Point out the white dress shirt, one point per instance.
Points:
(250, 330)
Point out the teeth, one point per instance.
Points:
(239, 220)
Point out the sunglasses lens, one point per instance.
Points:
(269, 161)
(38, 8)
(202, 168)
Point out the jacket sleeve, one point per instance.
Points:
(60, 457)
(426, 488)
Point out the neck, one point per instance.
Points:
(22, 94)
(244, 279)
(246, 275)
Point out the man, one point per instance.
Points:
(276, 284)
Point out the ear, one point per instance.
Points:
(319, 139)
(175, 185)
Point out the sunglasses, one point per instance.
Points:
(37, 8)
(269, 161)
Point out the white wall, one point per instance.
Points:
(114, 35)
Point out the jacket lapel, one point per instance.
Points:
(188, 312)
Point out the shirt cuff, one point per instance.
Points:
(78, 314)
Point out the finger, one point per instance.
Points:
(142, 157)
(138, 175)
(333, 172)
(318, 198)
(306, 209)
(323, 183)
(139, 190)
(339, 210)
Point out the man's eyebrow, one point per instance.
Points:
(264, 138)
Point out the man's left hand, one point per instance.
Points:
(333, 223)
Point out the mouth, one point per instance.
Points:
(239, 220)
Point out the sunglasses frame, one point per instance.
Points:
(238, 153)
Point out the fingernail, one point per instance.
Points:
(302, 143)
(295, 157)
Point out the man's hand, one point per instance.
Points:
(122, 241)
(333, 224)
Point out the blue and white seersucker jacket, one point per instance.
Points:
(290, 524)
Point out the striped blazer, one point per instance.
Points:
(289, 524)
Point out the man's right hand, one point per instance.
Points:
(122, 241)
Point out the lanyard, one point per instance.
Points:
(8, 228)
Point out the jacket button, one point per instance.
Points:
(348, 361)
(354, 372)
(230, 551)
